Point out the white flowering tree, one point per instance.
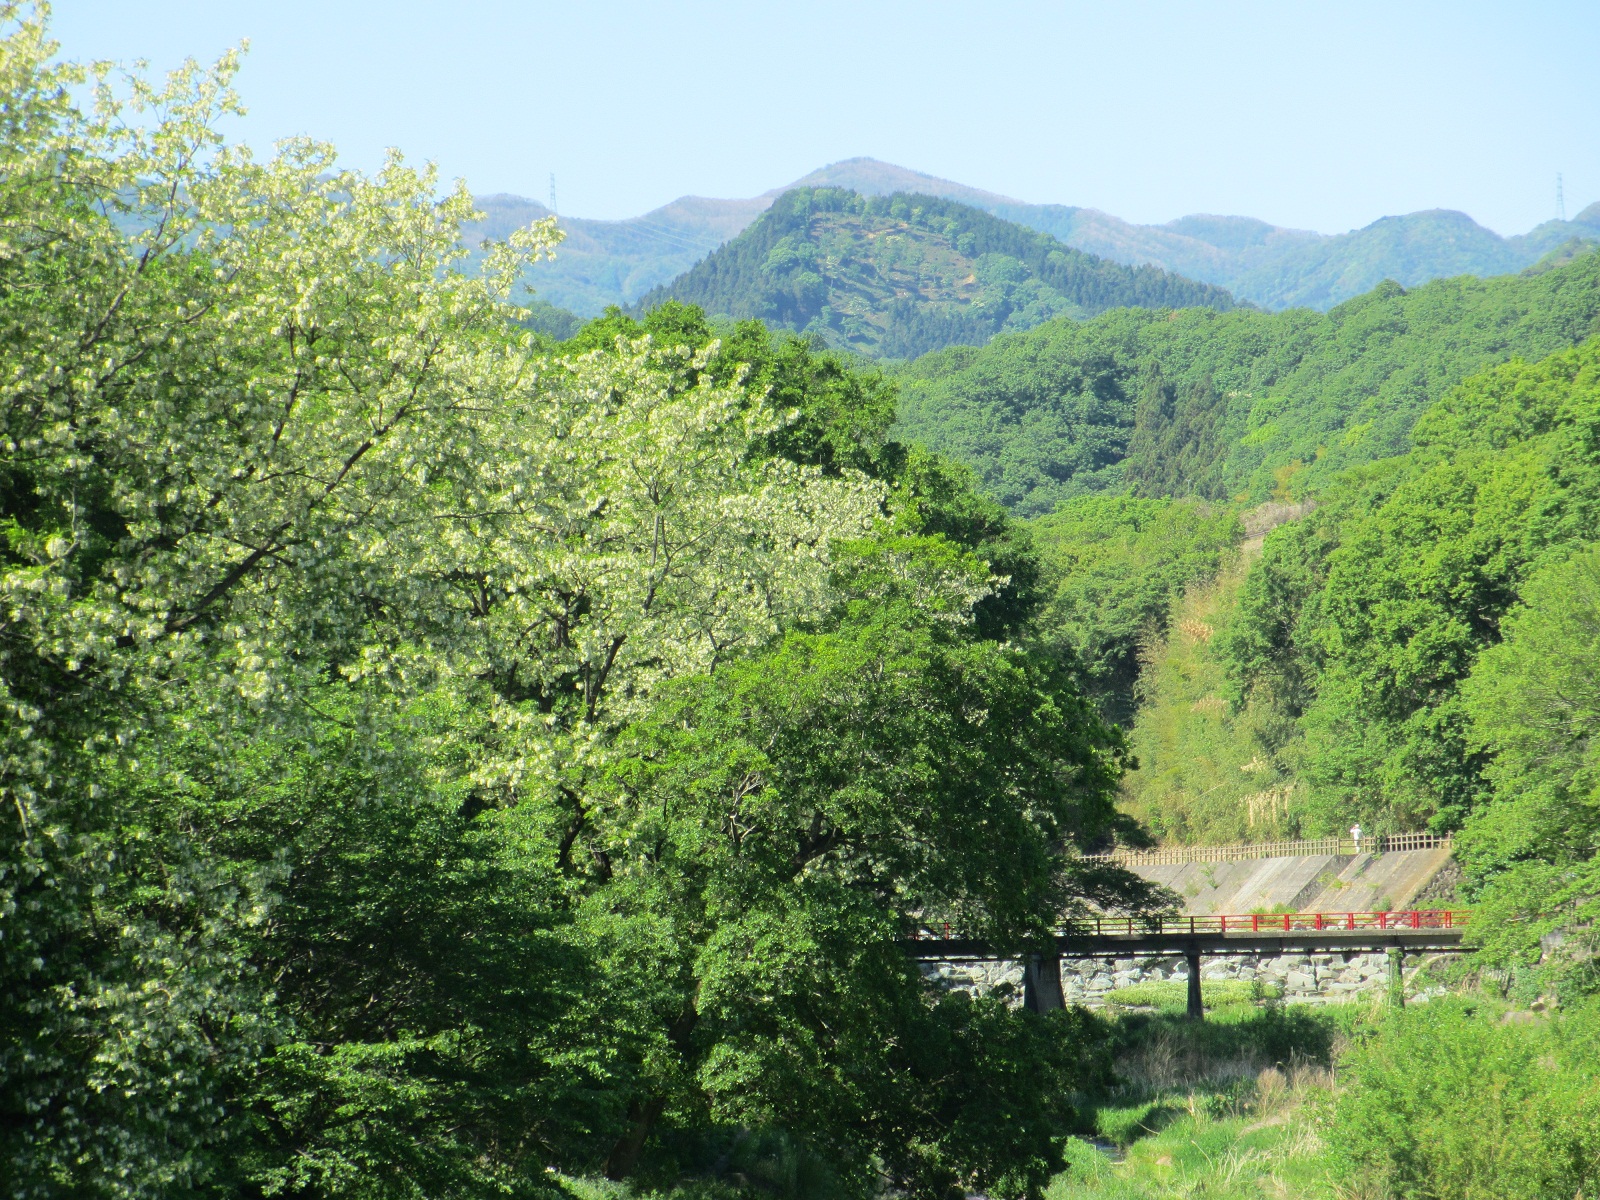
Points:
(270, 452)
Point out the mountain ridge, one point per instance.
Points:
(617, 262)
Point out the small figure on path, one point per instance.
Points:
(1355, 835)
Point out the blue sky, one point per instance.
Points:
(1323, 116)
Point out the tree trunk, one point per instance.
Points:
(624, 1156)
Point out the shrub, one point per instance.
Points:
(1449, 1101)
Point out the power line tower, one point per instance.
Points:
(1561, 200)
(553, 191)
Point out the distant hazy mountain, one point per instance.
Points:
(1283, 268)
(617, 262)
(898, 275)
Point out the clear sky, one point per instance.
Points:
(1318, 115)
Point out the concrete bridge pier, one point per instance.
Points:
(1041, 983)
(1197, 1008)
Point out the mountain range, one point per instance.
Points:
(618, 262)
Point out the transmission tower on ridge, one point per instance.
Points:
(553, 191)
(1561, 201)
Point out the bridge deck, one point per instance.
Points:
(1249, 933)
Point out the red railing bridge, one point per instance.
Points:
(1395, 931)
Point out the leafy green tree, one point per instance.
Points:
(346, 625)
(1533, 703)
(1505, 474)
(266, 443)
(778, 826)
(1447, 1101)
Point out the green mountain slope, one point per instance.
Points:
(1223, 404)
(895, 276)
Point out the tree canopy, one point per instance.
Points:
(439, 760)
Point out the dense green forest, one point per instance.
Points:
(1226, 404)
(450, 753)
(894, 276)
(1322, 670)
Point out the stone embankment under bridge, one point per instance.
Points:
(1407, 872)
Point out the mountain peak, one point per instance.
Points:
(872, 177)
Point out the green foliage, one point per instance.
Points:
(1322, 688)
(800, 811)
(895, 276)
(1371, 614)
(1112, 568)
(837, 415)
(434, 761)
(555, 323)
(1533, 702)
(1219, 404)
(1447, 1101)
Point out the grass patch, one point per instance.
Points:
(1228, 1158)
(1216, 993)
(1217, 1108)
(1126, 1125)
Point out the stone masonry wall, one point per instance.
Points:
(1298, 978)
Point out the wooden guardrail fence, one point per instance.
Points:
(1386, 843)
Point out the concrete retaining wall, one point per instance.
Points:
(1312, 883)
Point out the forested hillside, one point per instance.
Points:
(1218, 405)
(1419, 650)
(895, 276)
